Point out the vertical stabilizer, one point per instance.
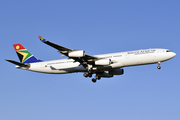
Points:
(24, 55)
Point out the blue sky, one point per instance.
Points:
(96, 26)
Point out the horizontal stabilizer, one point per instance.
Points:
(17, 63)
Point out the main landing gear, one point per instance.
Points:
(90, 75)
(159, 67)
(87, 75)
(95, 79)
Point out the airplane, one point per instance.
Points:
(103, 66)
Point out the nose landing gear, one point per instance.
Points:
(159, 67)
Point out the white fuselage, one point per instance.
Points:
(119, 60)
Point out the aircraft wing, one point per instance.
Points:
(84, 60)
(58, 47)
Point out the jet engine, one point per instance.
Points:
(105, 74)
(103, 62)
(116, 72)
(79, 53)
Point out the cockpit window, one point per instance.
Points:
(168, 51)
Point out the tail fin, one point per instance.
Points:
(24, 55)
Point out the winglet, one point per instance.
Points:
(42, 39)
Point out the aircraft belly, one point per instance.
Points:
(63, 68)
(49, 70)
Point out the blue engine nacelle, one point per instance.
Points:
(116, 72)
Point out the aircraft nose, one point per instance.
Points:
(173, 54)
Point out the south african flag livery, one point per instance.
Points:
(24, 55)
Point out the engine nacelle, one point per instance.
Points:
(79, 53)
(116, 72)
(103, 62)
(104, 74)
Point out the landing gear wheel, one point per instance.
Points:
(98, 77)
(93, 80)
(85, 75)
(159, 67)
(90, 75)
